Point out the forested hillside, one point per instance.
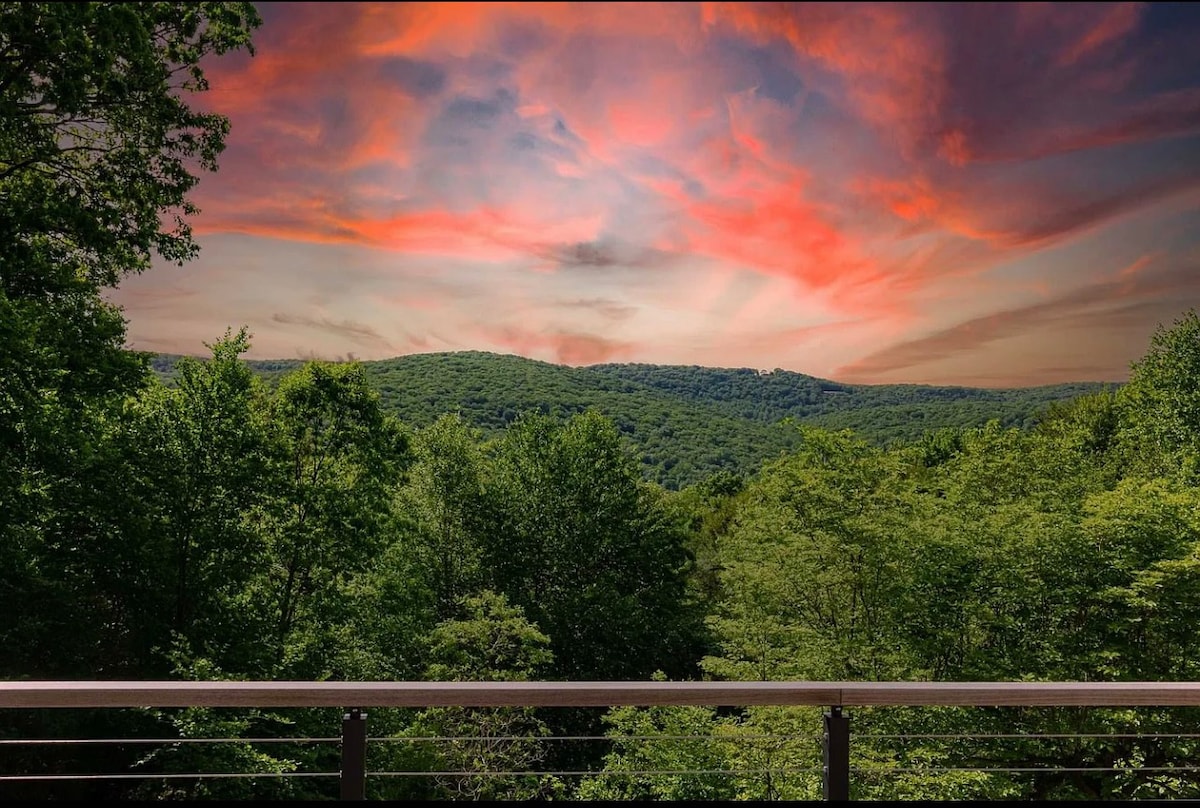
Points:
(297, 530)
(683, 423)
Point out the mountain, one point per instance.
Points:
(685, 421)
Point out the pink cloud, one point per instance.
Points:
(1115, 22)
(868, 162)
(563, 347)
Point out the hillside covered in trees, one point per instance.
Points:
(224, 526)
(683, 422)
(342, 522)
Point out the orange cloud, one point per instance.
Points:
(861, 164)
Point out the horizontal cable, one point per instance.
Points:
(726, 738)
(1025, 770)
(29, 778)
(665, 772)
(396, 739)
(1027, 736)
(639, 773)
(164, 741)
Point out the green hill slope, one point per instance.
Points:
(685, 421)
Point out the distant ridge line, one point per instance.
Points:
(299, 361)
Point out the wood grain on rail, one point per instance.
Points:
(27, 694)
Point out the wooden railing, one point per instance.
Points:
(598, 694)
(355, 697)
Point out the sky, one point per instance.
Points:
(979, 194)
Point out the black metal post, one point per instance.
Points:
(354, 755)
(836, 774)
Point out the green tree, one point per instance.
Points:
(490, 641)
(196, 459)
(339, 459)
(449, 500)
(97, 141)
(589, 551)
(1144, 600)
(1163, 400)
(669, 740)
(706, 511)
(98, 151)
(815, 569)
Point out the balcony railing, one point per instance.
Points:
(355, 699)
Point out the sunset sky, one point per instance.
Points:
(989, 195)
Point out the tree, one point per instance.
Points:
(706, 510)
(98, 147)
(339, 459)
(690, 741)
(98, 151)
(97, 141)
(1144, 604)
(447, 497)
(196, 457)
(589, 551)
(814, 569)
(489, 641)
(1163, 398)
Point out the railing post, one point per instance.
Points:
(354, 755)
(836, 741)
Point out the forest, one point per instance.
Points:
(683, 423)
(232, 524)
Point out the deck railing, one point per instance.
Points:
(356, 698)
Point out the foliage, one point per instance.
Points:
(1163, 400)
(99, 147)
(663, 753)
(294, 528)
(448, 498)
(198, 723)
(337, 459)
(491, 642)
(683, 423)
(815, 560)
(583, 546)
(195, 458)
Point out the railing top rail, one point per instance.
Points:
(25, 694)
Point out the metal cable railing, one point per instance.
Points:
(832, 760)
(159, 741)
(1027, 736)
(597, 772)
(740, 737)
(35, 778)
(1013, 769)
